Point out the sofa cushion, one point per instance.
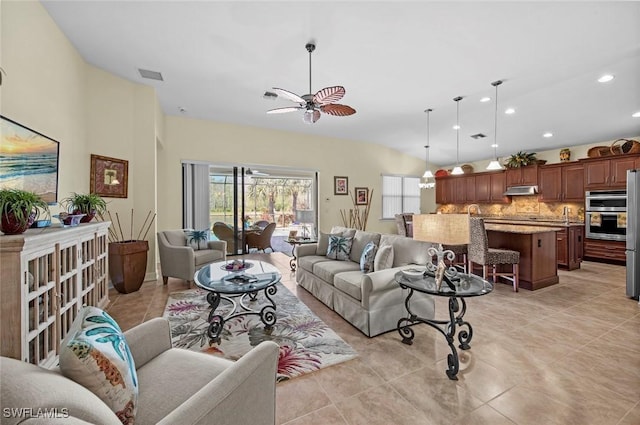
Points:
(326, 270)
(308, 261)
(406, 250)
(323, 242)
(360, 240)
(339, 248)
(197, 239)
(176, 237)
(95, 354)
(367, 257)
(384, 258)
(349, 283)
(206, 256)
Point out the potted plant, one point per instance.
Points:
(521, 159)
(81, 203)
(19, 209)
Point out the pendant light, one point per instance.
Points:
(495, 164)
(427, 174)
(457, 169)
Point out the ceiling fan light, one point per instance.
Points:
(457, 170)
(494, 165)
(310, 116)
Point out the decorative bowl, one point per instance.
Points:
(69, 220)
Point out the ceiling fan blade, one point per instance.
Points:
(284, 110)
(289, 96)
(337, 110)
(329, 95)
(311, 115)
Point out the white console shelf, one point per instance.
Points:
(47, 276)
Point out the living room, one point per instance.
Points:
(50, 87)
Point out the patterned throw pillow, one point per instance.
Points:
(95, 354)
(197, 239)
(384, 258)
(367, 257)
(323, 242)
(339, 248)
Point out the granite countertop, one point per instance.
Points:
(527, 221)
(522, 229)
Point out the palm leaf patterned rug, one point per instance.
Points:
(306, 342)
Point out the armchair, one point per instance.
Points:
(179, 260)
(262, 240)
(204, 389)
(224, 232)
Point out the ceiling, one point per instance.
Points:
(395, 59)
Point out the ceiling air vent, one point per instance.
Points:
(151, 75)
(478, 136)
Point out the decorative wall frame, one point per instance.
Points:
(362, 196)
(109, 176)
(340, 185)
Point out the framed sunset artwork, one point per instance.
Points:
(28, 160)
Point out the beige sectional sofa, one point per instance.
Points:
(372, 302)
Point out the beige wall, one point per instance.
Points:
(190, 139)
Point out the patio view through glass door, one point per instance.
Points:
(246, 200)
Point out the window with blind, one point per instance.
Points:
(400, 194)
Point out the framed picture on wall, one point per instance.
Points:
(340, 185)
(109, 176)
(362, 195)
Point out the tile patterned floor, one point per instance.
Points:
(567, 354)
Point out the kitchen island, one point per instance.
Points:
(537, 248)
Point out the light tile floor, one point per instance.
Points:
(566, 354)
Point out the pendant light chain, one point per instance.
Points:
(495, 164)
(457, 169)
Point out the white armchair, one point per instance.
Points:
(179, 260)
(176, 386)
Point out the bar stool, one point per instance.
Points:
(480, 253)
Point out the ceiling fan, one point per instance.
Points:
(313, 104)
(250, 172)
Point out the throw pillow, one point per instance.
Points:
(197, 239)
(95, 354)
(367, 257)
(339, 248)
(384, 258)
(323, 242)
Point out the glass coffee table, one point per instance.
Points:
(238, 283)
(466, 285)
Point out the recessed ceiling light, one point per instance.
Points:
(456, 127)
(509, 111)
(485, 99)
(494, 145)
(605, 78)
(547, 134)
(636, 115)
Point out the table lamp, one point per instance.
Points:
(443, 229)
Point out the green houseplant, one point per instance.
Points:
(19, 209)
(521, 159)
(84, 203)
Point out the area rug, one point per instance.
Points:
(306, 342)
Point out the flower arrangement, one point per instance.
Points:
(521, 159)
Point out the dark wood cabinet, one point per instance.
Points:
(608, 173)
(522, 176)
(561, 183)
(445, 190)
(605, 251)
(498, 187)
(474, 188)
(470, 188)
(483, 188)
(570, 250)
(460, 192)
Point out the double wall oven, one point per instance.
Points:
(606, 214)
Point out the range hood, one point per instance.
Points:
(521, 190)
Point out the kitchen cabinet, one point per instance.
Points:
(490, 188)
(605, 251)
(47, 276)
(561, 182)
(445, 190)
(570, 247)
(608, 173)
(522, 176)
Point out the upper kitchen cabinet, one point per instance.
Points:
(608, 173)
(522, 176)
(445, 190)
(490, 188)
(562, 182)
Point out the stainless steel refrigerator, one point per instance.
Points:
(633, 236)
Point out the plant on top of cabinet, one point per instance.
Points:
(521, 159)
(19, 209)
(89, 204)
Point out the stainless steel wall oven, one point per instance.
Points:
(606, 214)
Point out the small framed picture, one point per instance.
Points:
(362, 195)
(293, 234)
(340, 185)
(109, 176)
